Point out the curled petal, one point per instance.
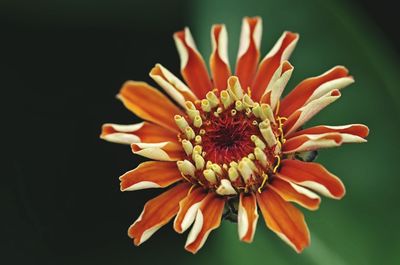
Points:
(208, 218)
(313, 176)
(270, 63)
(149, 104)
(157, 212)
(277, 84)
(193, 68)
(284, 219)
(294, 193)
(304, 114)
(359, 131)
(136, 133)
(164, 151)
(311, 142)
(313, 88)
(219, 62)
(172, 85)
(247, 217)
(150, 174)
(249, 50)
(188, 209)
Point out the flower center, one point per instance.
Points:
(227, 137)
(232, 143)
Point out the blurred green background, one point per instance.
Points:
(63, 62)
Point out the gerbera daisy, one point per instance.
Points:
(229, 146)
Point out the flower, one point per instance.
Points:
(231, 146)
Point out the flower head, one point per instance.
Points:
(230, 146)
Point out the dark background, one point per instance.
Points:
(62, 62)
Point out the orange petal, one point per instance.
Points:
(359, 130)
(294, 193)
(136, 133)
(150, 174)
(164, 151)
(249, 50)
(208, 218)
(219, 62)
(277, 84)
(172, 85)
(149, 104)
(313, 88)
(193, 68)
(305, 113)
(313, 176)
(284, 219)
(247, 217)
(157, 212)
(279, 53)
(310, 142)
(188, 209)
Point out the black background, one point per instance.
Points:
(61, 66)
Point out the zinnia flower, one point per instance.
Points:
(229, 146)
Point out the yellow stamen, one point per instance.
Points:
(181, 122)
(197, 139)
(278, 104)
(191, 110)
(189, 133)
(239, 105)
(197, 122)
(277, 164)
(183, 176)
(265, 176)
(190, 190)
(205, 105)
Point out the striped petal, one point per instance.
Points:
(193, 68)
(277, 84)
(188, 209)
(157, 212)
(247, 217)
(294, 193)
(304, 114)
(219, 61)
(150, 174)
(314, 88)
(310, 142)
(136, 133)
(284, 219)
(172, 85)
(208, 218)
(249, 50)
(163, 151)
(270, 63)
(359, 131)
(149, 104)
(313, 176)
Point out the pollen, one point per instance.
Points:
(232, 143)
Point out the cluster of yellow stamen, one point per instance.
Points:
(252, 170)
